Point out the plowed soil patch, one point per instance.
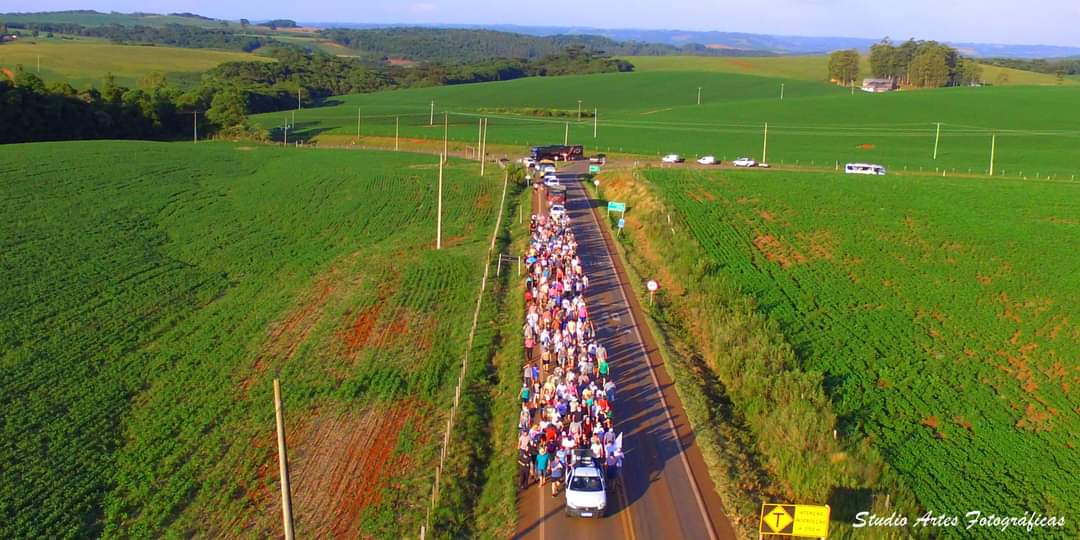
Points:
(339, 463)
(287, 335)
(777, 252)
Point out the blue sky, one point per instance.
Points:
(1049, 22)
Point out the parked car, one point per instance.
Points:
(598, 159)
(557, 211)
(707, 160)
(586, 493)
(672, 158)
(744, 162)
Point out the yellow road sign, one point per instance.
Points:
(795, 520)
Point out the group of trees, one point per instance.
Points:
(176, 35)
(923, 64)
(844, 66)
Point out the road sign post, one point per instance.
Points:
(797, 520)
(653, 286)
(613, 206)
(622, 223)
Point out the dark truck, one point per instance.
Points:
(558, 152)
(556, 195)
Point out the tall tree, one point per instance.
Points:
(883, 59)
(844, 66)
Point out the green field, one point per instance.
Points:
(941, 312)
(811, 68)
(83, 63)
(817, 124)
(150, 302)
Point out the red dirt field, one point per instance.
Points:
(339, 464)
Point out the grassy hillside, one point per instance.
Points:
(90, 18)
(811, 68)
(939, 312)
(85, 62)
(817, 123)
(151, 302)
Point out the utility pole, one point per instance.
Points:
(781, 91)
(993, 145)
(293, 122)
(298, 104)
(566, 135)
(286, 132)
(358, 124)
(438, 217)
(579, 110)
(595, 119)
(937, 135)
(480, 141)
(283, 464)
(765, 146)
(195, 121)
(431, 122)
(483, 148)
(397, 132)
(445, 132)
(699, 95)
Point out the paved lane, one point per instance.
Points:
(658, 497)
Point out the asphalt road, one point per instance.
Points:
(665, 491)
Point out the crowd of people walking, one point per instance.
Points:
(567, 392)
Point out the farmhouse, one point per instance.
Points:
(878, 85)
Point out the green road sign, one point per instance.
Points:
(616, 206)
(594, 169)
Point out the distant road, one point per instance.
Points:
(666, 491)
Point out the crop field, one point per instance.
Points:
(942, 312)
(150, 302)
(817, 125)
(84, 63)
(811, 68)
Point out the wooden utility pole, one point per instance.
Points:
(699, 95)
(397, 132)
(286, 132)
(595, 119)
(480, 140)
(445, 134)
(298, 104)
(781, 91)
(566, 135)
(283, 464)
(483, 148)
(579, 110)
(195, 121)
(937, 135)
(993, 146)
(438, 217)
(765, 145)
(431, 122)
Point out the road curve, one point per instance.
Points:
(665, 490)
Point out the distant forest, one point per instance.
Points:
(453, 45)
(175, 35)
(1061, 68)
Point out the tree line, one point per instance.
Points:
(30, 110)
(1060, 68)
(919, 64)
(457, 45)
(923, 64)
(176, 35)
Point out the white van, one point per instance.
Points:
(864, 168)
